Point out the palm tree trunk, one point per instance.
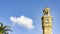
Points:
(0, 32)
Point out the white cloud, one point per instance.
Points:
(23, 21)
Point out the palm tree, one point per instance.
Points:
(4, 29)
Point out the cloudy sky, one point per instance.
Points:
(24, 16)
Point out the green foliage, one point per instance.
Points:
(4, 29)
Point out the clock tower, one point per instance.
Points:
(46, 21)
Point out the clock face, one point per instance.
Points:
(46, 20)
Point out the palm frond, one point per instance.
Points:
(1, 23)
(6, 33)
(7, 30)
(1, 26)
(6, 27)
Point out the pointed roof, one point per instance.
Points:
(47, 8)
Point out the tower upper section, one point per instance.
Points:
(46, 11)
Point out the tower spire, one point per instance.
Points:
(46, 4)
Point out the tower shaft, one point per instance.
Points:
(47, 21)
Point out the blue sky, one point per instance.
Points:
(32, 9)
